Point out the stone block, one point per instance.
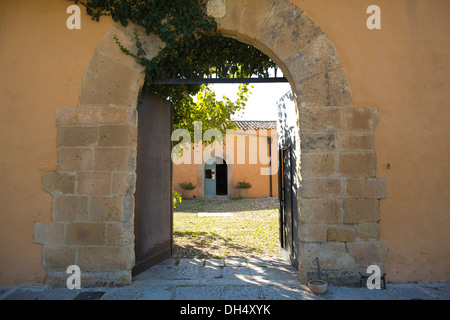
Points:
(354, 188)
(355, 141)
(85, 234)
(95, 115)
(317, 141)
(49, 234)
(320, 119)
(332, 255)
(77, 136)
(311, 188)
(321, 211)
(90, 279)
(107, 81)
(58, 183)
(332, 188)
(128, 208)
(368, 231)
(58, 258)
(115, 115)
(100, 258)
(109, 48)
(341, 234)
(123, 183)
(114, 159)
(106, 209)
(117, 136)
(313, 233)
(228, 24)
(331, 234)
(287, 29)
(367, 188)
(321, 188)
(75, 159)
(353, 165)
(361, 210)
(94, 183)
(318, 165)
(317, 57)
(368, 253)
(252, 19)
(375, 188)
(76, 116)
(339, 88)
(70, 208)
(216, 8)
(151, 44)
(96, 279)
(327, 89)
(346, 233)
(119, 234)
(361, 119)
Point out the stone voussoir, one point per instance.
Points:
(287, 30)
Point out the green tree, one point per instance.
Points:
(205, 107)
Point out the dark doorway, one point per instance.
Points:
(216, 177)
(222, 179)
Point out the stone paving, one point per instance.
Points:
(225, 279)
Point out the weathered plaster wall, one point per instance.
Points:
(403, 70)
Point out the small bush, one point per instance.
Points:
(243, 185)
(187, 185)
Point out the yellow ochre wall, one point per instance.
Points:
(402, 69)
(41, 68)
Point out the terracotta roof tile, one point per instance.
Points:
(255, 125)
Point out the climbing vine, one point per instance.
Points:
(192, 45)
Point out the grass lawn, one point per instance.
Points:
(252, 230)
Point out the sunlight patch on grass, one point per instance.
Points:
(252, 230)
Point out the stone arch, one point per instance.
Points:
(93, 186)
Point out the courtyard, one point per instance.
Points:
(226, 228)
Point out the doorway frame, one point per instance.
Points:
(201, 176)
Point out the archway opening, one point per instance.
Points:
(251, 153)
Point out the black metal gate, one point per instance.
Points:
(286, 203)
(183, 77)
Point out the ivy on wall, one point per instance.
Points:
(193, 44)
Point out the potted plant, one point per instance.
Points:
(243, 187)
(188, 188)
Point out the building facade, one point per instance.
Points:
(253, 159)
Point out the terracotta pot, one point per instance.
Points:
(243, 193)
(317, 286)
(187, 194)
